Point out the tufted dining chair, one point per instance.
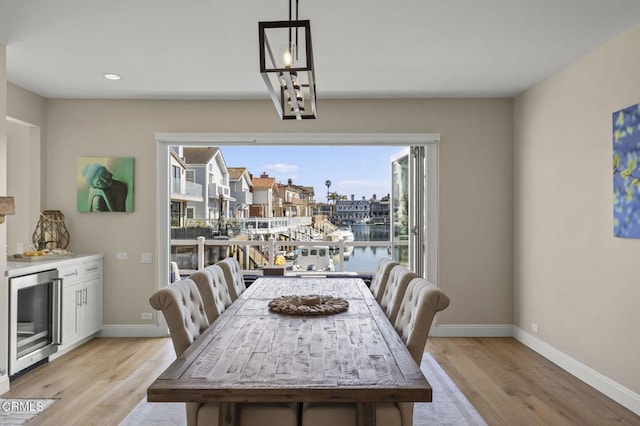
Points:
(421, 301)
(381, 276)
(184, 312)
(399, 279)
(233, 276)
(213, 290)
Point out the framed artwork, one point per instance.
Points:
(105, 184)
(626, 172)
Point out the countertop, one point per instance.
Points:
(15, 269)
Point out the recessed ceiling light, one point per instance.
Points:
(111, 76)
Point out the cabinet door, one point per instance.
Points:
(91, 307)
(71, 305)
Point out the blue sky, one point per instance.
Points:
(361, 171)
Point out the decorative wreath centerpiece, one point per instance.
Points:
(314, 304)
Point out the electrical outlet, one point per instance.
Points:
(147, 316)
(146, 258)
(534, 327)
(121, 256)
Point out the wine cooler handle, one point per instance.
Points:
(57, 312)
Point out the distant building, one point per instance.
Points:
(182, 191)
(206, 165)
(240, 184)
(296, 199)
(265, 197)
(380, 210)
(352, 211)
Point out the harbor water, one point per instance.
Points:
(364, 259)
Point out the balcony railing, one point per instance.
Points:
(183, 187)
(254, 255)
(215, 189)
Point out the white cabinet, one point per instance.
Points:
(81, 301)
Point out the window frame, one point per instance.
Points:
(165, 140)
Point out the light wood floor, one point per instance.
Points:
(509, 384)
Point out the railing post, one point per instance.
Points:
(341, 248)
(200, 252)
(272, 250)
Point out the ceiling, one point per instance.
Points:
(208, 49)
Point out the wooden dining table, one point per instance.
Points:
(251, 354)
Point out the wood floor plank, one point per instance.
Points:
(504, 379)
(96, 384)
(508, 383)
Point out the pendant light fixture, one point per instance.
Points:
(286, 65)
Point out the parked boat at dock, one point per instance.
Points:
(314, 258)
(342, 233)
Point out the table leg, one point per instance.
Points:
(366, 414)
(229, 414)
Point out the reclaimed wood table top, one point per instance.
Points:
(250, 354)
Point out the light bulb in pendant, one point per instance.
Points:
(287, 58)
(288, 51)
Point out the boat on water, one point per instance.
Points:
(314, 258)
(342, 233)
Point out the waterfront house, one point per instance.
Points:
(266, 200)
(351, 211)
(240, 187)
(206, 166)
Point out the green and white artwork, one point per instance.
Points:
(105, 184)
(626, 172)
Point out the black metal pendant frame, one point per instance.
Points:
(295, 96)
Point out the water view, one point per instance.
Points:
(364, 259)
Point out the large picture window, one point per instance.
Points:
(414, 199)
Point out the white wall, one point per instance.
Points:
(572, 277)
(23, 182)
(475, 176)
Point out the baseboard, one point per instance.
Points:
(598, 381)
(132, 330)
(471, 330)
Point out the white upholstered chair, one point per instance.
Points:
(399, 279)
(381, 276)
(421, 302)
(184, 313)
(213, 290)
(419, 305)
(233, 276)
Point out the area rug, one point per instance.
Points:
(18, 411)
(449, 406)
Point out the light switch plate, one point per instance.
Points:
(146, 258)
(121, 256)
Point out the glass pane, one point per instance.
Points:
(34, 318)
(400, 208)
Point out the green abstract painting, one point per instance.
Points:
(105, 184)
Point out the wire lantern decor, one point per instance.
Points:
(51, 232)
